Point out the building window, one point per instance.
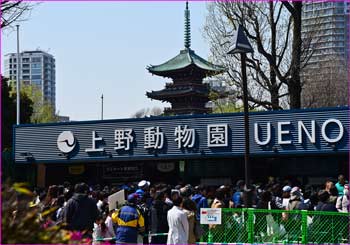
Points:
(25, 66)
(339, 25)
(36, 71)
(339, 11)
(36, 59)
(36, 82)
(36, 65)
(36, 76)
(340, 18)
(326, 5)
(339, 4)
(25, 71)
(26, 77)
(25, 60)
(308, 7)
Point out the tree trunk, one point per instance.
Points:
(273, 77)
(294, 85)
(275, 98)
(295, 95)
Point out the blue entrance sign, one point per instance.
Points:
(295, 132)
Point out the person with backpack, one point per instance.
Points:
(81, 211)
(237, 197)
(292, 221)
(144, 208)
(324, 204)
(158, 218)
(129, 221)
(340, 184)
(200, 199)
(296, 201)
(342, 204)
(189, 207)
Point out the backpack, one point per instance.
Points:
(237, 198)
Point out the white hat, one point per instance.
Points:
(287, 188)
(144, 184)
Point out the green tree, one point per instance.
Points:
(43, 112)
(8, 99)
(225, 103)
(8, 117)
(9, 111)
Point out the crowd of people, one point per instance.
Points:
(160, 213)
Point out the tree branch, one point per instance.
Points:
(289, 7)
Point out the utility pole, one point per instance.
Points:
(18, 88)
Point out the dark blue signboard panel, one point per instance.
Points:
(296, 132)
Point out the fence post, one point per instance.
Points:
(210, 237)
(250, 225)
(304, 227)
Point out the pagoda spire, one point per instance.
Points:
(187, 27)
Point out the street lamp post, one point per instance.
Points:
(242, 46)
(102, 107)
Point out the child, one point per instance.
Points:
(100, 231)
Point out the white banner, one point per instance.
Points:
(210, 216)
(116, 200)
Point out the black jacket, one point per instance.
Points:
(159, 212)
(80, 212)
(158, 221)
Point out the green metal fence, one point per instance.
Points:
(279, 226)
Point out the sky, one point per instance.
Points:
(104, 48)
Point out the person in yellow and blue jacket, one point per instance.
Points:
(129, 221)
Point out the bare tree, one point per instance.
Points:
(156, 111)
(293, 80)
(274, 30)
(147, 112)
(14, 11)
(326, 85)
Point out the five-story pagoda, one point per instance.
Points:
(187, 93)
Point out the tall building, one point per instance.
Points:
(37, 68)
(327, 23)
(325, 31)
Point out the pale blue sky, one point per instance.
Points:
(104, 47)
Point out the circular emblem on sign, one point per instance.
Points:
(66, 142)
(165, 167)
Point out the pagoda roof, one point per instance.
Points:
(167, 93)
(185, 59)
